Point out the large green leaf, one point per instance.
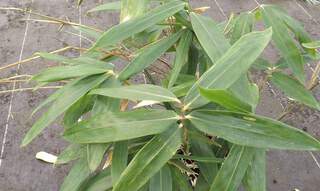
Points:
(294, 89)
(119, 159)
(67, 72)
(230, 67)
(79, 172)
(181, 56)
(148, 55)
(225, 99)
(66, 99)
(120, 126)
(149, 160)
(72, 152)
(95, 154)
(233, 169)
(255, 177)
(100, 182)
(243, 24)
(138, 92)
(251, 130)
(283, 40)
(161, 181)
(210, 37)
(124, 30)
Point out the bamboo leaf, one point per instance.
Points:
(119, 160)
(131, 9)
(89, 32)
(66, 72)
(233, 169)
(124, 30)
(100, 182)
(180, 180)
(243, 24)
(72, 152)
(161, 181)
(205, 159)
(294, 89)
(181, 56)
(312, 45)
(251, 130)
(77, 174)
(283, 40)
(148, 55)
(225, 99)
(95, 154)
(65, 100)
(255, 177)
(138, 92)
(111, 6)
(120, 126)
(149, 160)
(230, 67)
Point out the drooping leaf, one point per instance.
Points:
(111, 6)
(181, 56)
(282, 39)
(120, 126)
(225, 99)
(79, 172)
(162, 180)
(148, 55)
(255, 177)
(124, 30)
(230, 67)
(67, 72)
(65, 100)
(119, 160)
(138, 92)
(312, 45)
(149, 160)
(251, 130)
(89, 32)
(233, 169)
(294, 89)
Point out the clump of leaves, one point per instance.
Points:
(203, 133)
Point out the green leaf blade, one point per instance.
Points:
(253, 131)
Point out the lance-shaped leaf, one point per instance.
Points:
(225, 99)
(181, 56)
(148, 55)
(149, 160)
(100, 182)
(88, 32)
(124, 30)
(79, 172)
(120, 126)
(111, 6)
(294, 89)
(255, 177)
(67, 72)
(230, 67)
(312, 45)
(233, 169)
(242, 25)
(138, 93)
(283, 40)
(65, 100)
(251, 130)
(161, 181)
(119, 160)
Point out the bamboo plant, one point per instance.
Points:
(193, 128)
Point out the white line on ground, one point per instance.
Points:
(12, 93)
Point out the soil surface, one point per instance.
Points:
(20, 171)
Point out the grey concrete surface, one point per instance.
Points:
(20, 171)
